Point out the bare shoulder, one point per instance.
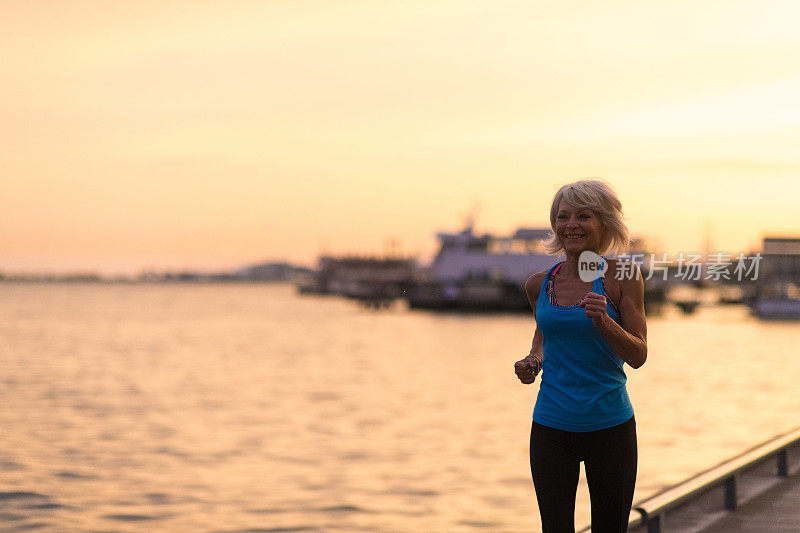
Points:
(626, 279)
(533, 285)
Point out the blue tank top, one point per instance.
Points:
(582, 384)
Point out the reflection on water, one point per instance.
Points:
(244, 408)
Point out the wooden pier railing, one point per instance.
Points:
(706, 497)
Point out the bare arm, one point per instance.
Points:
(532, 288)
(537, 345)
(528, 368)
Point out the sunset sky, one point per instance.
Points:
(208, 135)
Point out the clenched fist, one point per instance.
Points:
(595, 305)
(527, 369)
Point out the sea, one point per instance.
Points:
(250, 408)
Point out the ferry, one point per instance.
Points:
(486, 272)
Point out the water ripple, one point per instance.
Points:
(130, 517)
(28, 527)
(75, 475)
(46, 506)
(343, 509)
(10, 465)
(477, 523)
(21, 495)
(272, 530)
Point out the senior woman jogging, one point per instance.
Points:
(588, 326)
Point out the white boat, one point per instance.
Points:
(482, 272)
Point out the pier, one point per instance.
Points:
(777, 509)
(756, 491)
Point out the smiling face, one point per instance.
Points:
(578, 229)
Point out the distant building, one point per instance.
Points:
(778, 285)
(780, 260)
(360, 277)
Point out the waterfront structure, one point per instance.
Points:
(735, 495)
(778, 284)
(470, 272)
(364, 278)
(488, 272)
(273, 271)
(482, 272)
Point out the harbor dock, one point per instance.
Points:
(755, 491)
(777, 509)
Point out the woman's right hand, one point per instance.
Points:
(527, 369)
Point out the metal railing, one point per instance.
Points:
(649, 513)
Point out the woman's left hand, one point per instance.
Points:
(595, 305)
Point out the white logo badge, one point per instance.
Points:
(591, 266)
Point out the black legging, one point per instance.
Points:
(610, 457)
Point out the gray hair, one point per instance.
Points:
(597, 196)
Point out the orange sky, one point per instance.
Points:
(164, 135)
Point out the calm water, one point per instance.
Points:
(248, 408)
